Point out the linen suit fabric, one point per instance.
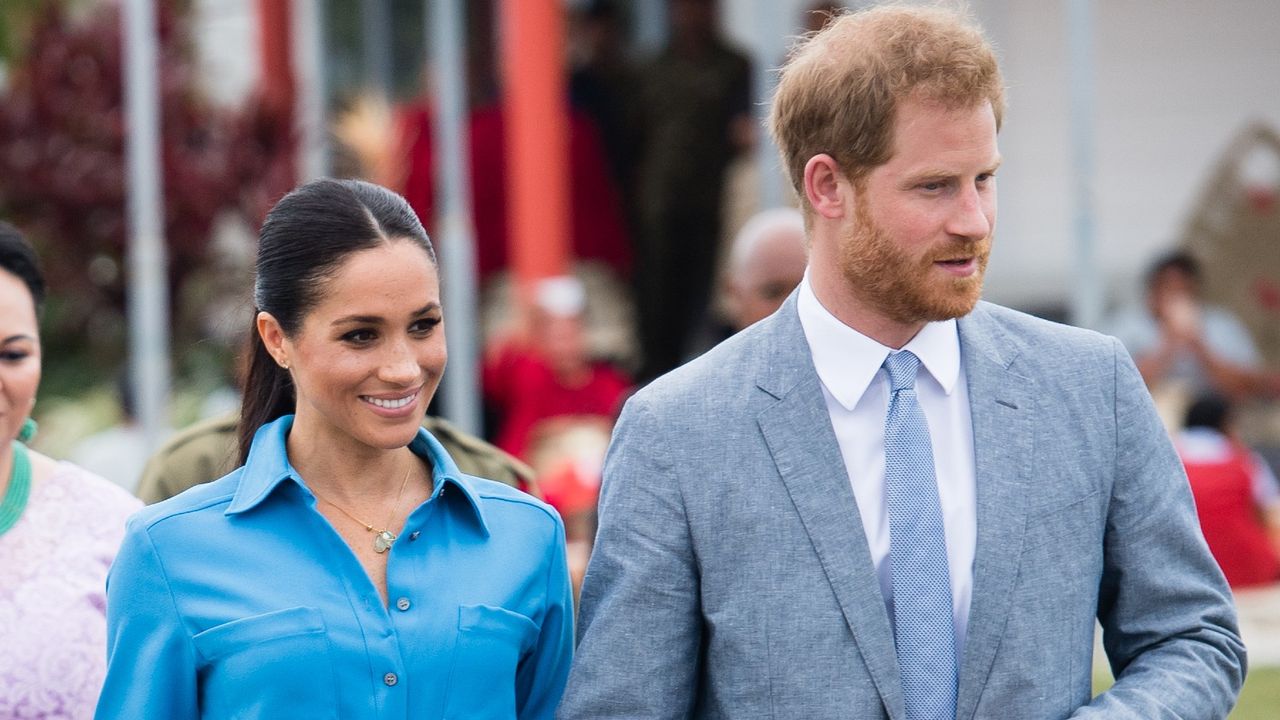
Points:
(731, 575)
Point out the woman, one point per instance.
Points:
(59, 528)
(347, 569)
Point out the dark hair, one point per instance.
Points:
(18, 258)
(305, 238)
(1180, 260)
(1209, 411)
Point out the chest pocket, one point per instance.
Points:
(491, 642)
(1066, 528)
(274, 665)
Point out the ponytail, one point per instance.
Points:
(268, 393)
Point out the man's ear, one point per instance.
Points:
(273, 338)
(824, 185)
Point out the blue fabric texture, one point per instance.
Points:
(922, 621)
(239, 599)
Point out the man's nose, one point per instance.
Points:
(973, 214)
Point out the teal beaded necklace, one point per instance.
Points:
(15, 497)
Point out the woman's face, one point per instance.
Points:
(368, 356)
(19, 355)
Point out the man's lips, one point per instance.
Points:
(959, 266)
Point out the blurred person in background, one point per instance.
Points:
(555, 405)
(117, 453)
(603, 83)
(694, 117)
(541, 376)
(59, 528)
(766, 262)
(1184, 347)
(347, 568)
(1237, 497)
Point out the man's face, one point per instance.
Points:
(919, 242)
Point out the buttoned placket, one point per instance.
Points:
(380, 626)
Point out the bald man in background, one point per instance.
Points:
(765, 264)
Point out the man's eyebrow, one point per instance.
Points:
(937, 173)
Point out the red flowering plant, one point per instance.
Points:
(63, 173)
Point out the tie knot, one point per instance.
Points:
(902, 367)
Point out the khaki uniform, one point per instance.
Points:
(208, 450)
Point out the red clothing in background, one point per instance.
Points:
(1230, 519)
(595, 207)
(525, 392)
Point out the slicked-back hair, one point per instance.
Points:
(304, 240)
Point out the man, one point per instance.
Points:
(1178, 342)
(797, 525)
(766, 262)
(694, 116)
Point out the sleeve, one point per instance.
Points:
(1168, 624)
(640, 619)
(1230, 339)
(150, 658)
(1266, 489)
(540, 680)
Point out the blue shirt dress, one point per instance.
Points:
(239, 599)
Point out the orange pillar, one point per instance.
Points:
(537, 136)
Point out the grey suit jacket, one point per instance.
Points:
(732, 579)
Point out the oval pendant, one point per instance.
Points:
(382, 541)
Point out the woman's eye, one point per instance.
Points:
(359, 337)
(424, 326)
(13, 356)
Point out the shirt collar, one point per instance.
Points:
(268, 466)
(847, 361)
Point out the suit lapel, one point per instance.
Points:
(798, 432)
(1001, 406)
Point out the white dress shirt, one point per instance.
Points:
(856, 389)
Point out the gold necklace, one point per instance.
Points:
(383, 538)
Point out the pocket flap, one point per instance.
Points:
(494, 619)
(246, 632)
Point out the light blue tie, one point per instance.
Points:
(922, 624)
